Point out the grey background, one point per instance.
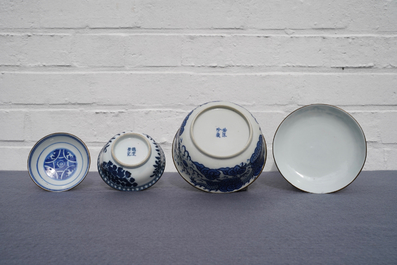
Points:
(174, 223)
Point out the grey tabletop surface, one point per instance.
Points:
(174, 223)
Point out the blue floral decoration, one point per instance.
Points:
(117, 175)
(159, 165)
(210, 174)
(225, 179)
(121, 179)
(257, 159)
(182, 129)
(105, 148)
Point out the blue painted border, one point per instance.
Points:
(54, 136)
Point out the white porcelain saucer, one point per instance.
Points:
(319, 148)
(58, 162)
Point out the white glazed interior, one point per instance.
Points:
(319, 148)
(131, 150)
(221, 131)
(45, 146)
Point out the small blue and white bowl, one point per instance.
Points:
(58, 162)
(131, 161)
(219, 148)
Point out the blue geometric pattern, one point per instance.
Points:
(60, 164)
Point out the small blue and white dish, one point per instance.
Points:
(58, 162)
(219, 148)
(131, 161)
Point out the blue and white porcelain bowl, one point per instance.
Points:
(58, 162)
(219, 148)
(131, 161)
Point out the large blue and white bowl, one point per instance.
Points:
(219, 148)
(131, 161)
(58, 162)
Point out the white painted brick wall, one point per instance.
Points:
(96, 68)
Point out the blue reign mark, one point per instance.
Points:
(60, 164)
(218, 132)
(131, 151)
